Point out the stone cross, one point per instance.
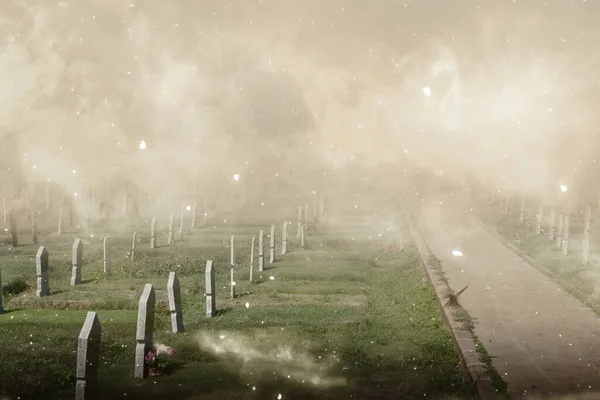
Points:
(299, 221)
(133, 240)
(34, 230)
(77, 258)
(1, 306)
(88, 357)
(232, 263)
(302, 244)
(171, 223)
(194, 209)
(174, 293)
(272, 245)
(12, 220)
(145, 326)
(107, 259)
(153, 233)
(211, 294)
(60, 220)
(181, 223)
(284, 238)
(252, 259)
(261, 251)
(41, 269)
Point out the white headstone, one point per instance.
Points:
(252, 259)
(41, 267)
(284, 238)
(145, 327)
(88, 357)
(272, 247)
(171, 223)
(211, 294)
(153, 233)
(107, 259)
(174, 294)
(232, 281)
(77, 259)
(133, 240)
(261, 251)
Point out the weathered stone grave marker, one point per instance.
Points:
(106, 244)
(261, 251)
(174, 293)
(272, 245)
(145, 327)
(133, 243)
(194, 209)
(302, 243)
(77, 259)
(565, 240)
(211, 294)
(12, 220)
(252, 259)
(171, 223)
(88, 357)
(41, 270)
(232, 263)
(153, 233)
(284, 238)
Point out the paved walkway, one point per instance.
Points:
(546, 342)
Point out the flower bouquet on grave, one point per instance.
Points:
(157, 359)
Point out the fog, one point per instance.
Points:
(218, 87)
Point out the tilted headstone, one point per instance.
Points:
(133, 242)
(145, 327)
(252, 259)
(171, 223)
(232, 262)
(272, 245)
(194, 209)
(34, 230)
(41, 270)
(284, 238)
(107, 260)
(153, 233)
(174, 293)
(60, 221)
(261, 251)
(299, 221)
(88, 357)
(77, 258)
(1, 306)
(12, 220)
(211, 293)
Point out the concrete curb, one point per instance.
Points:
(473, 369)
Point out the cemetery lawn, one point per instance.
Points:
(348, 317)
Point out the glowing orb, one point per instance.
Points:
(563, 188)
(188, 208)
(142, 145)
(236, 177)
(74, 172)
(427, 91)
(457, 253)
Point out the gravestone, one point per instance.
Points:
(261, 251)
(298, 228)
(284, 238)
(77, 258)
(565, 240)
(153, 233)
(34, 230)
(194, 209)
(133, 242)
(41, 270)
(232, 263)
(181, 224)
(252, 259)
(107, 259)
(1, 306)
(88, 357)
(174, 293)
(211, 293)
(272, 245)
(171, 223)
(145, 326)
(60, 221)
(12, 220)
(302, 244)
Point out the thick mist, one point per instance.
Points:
(265, 87)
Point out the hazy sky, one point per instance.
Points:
(216, 84)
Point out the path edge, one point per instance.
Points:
(474, 371)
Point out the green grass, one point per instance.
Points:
(352, 313)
